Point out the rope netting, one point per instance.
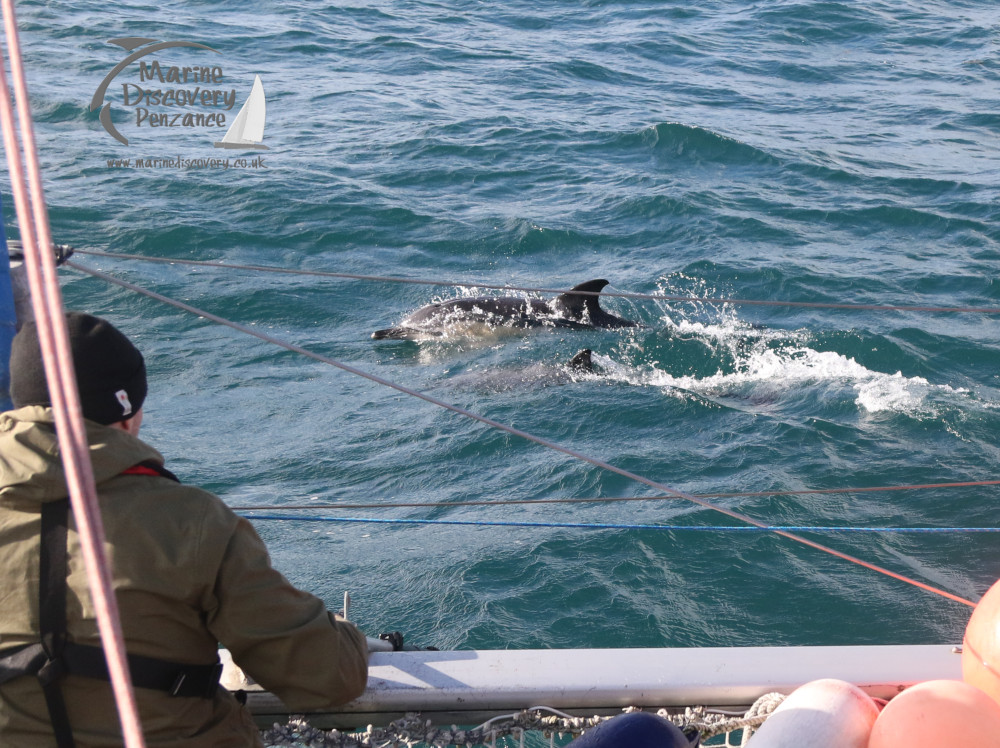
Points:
(536, 727)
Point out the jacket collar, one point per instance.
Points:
(30, 467)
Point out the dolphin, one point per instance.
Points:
(576, 309)
(535, 375)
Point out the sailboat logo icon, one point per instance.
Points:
(247, 130)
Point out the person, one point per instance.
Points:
(188, 573)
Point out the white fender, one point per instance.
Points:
(824, 713)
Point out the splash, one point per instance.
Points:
(740, 361)
(765, 375)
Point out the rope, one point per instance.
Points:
(46, 300)
(532, 289)
(760, 711)
(610, 499)
(615, 526)
(515, 432)
(414, 730)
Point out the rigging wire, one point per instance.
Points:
(530, 289)
(513, 431)
(613, 499)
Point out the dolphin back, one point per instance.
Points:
(578, 308)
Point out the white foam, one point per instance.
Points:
(768, 372)
(765, 364)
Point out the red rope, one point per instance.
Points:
(46, 301)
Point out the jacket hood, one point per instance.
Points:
(30, 465)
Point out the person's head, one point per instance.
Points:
(110, 371)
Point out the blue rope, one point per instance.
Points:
(608, 526)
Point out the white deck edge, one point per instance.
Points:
(465, 687)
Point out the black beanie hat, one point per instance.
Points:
(110, 372)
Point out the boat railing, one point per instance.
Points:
(422, 697)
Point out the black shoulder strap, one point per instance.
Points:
(52, 614)
(55, 657)
(160, 469)
(150, 467)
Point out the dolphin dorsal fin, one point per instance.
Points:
(573, 304)
(582, 361)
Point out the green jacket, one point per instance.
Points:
(188, 574)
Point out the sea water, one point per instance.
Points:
(803, 151)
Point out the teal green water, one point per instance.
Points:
(803, 151)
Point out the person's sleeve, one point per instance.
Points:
(282, 637)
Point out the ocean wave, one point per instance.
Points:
(690, 143)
